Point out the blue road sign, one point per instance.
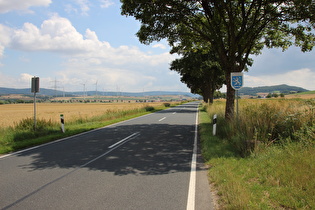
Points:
(237, 80)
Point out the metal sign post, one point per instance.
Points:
(237, 83)
(35, 89)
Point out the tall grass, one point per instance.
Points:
(265, 122)
(265, 158)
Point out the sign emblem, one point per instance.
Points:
(237, 80)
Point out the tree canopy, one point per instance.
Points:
(235, 29)
(200, 71)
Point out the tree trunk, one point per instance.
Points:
(230, 97)
(211, 96)
(206, 95)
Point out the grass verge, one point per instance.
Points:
(273, 175)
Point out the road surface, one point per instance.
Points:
(143, 163)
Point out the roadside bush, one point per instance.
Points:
(149, 108)
(3, 102)
(167, 104)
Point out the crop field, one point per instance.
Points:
(305, 95)
(10, 114)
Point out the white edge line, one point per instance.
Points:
(128, 137)
(192, 180)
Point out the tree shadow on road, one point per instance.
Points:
(158, 149)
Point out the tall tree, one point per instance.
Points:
(200, 71)
(234, 28)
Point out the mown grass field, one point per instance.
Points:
(265, 159)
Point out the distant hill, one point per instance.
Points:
(286, 89)
(27, 91)
(50, 92)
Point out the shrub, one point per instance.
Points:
(149, 108)
(167, 104)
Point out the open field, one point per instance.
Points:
(304, 95)
(13, 113)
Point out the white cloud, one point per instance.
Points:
(106, 3)
(4, 38)
(55, 34)
(159, 45)
(108, 78)
(81, 7)
(84, 6)
(302, 78)
(58, 35)
(22, 81)
(25, 78)
(85, 57)
(24, 5)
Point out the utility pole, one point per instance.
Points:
(55, 86)
(84, 93)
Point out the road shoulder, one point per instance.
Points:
(204, 194)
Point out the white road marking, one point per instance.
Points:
(192, 181)
(162, 119)
(125, 139)
(174, 112)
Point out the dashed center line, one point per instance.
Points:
(125, 139)
(162, 119)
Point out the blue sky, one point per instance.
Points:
(76, 42)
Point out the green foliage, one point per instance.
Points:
(200, 71)
(234, 29)
(149, 108)
(167, 104)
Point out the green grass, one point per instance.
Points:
(308, 92)
(273, 175)
(22, 135)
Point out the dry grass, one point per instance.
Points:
(10, 114)
(265, 159)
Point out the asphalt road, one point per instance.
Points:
(143, 163)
